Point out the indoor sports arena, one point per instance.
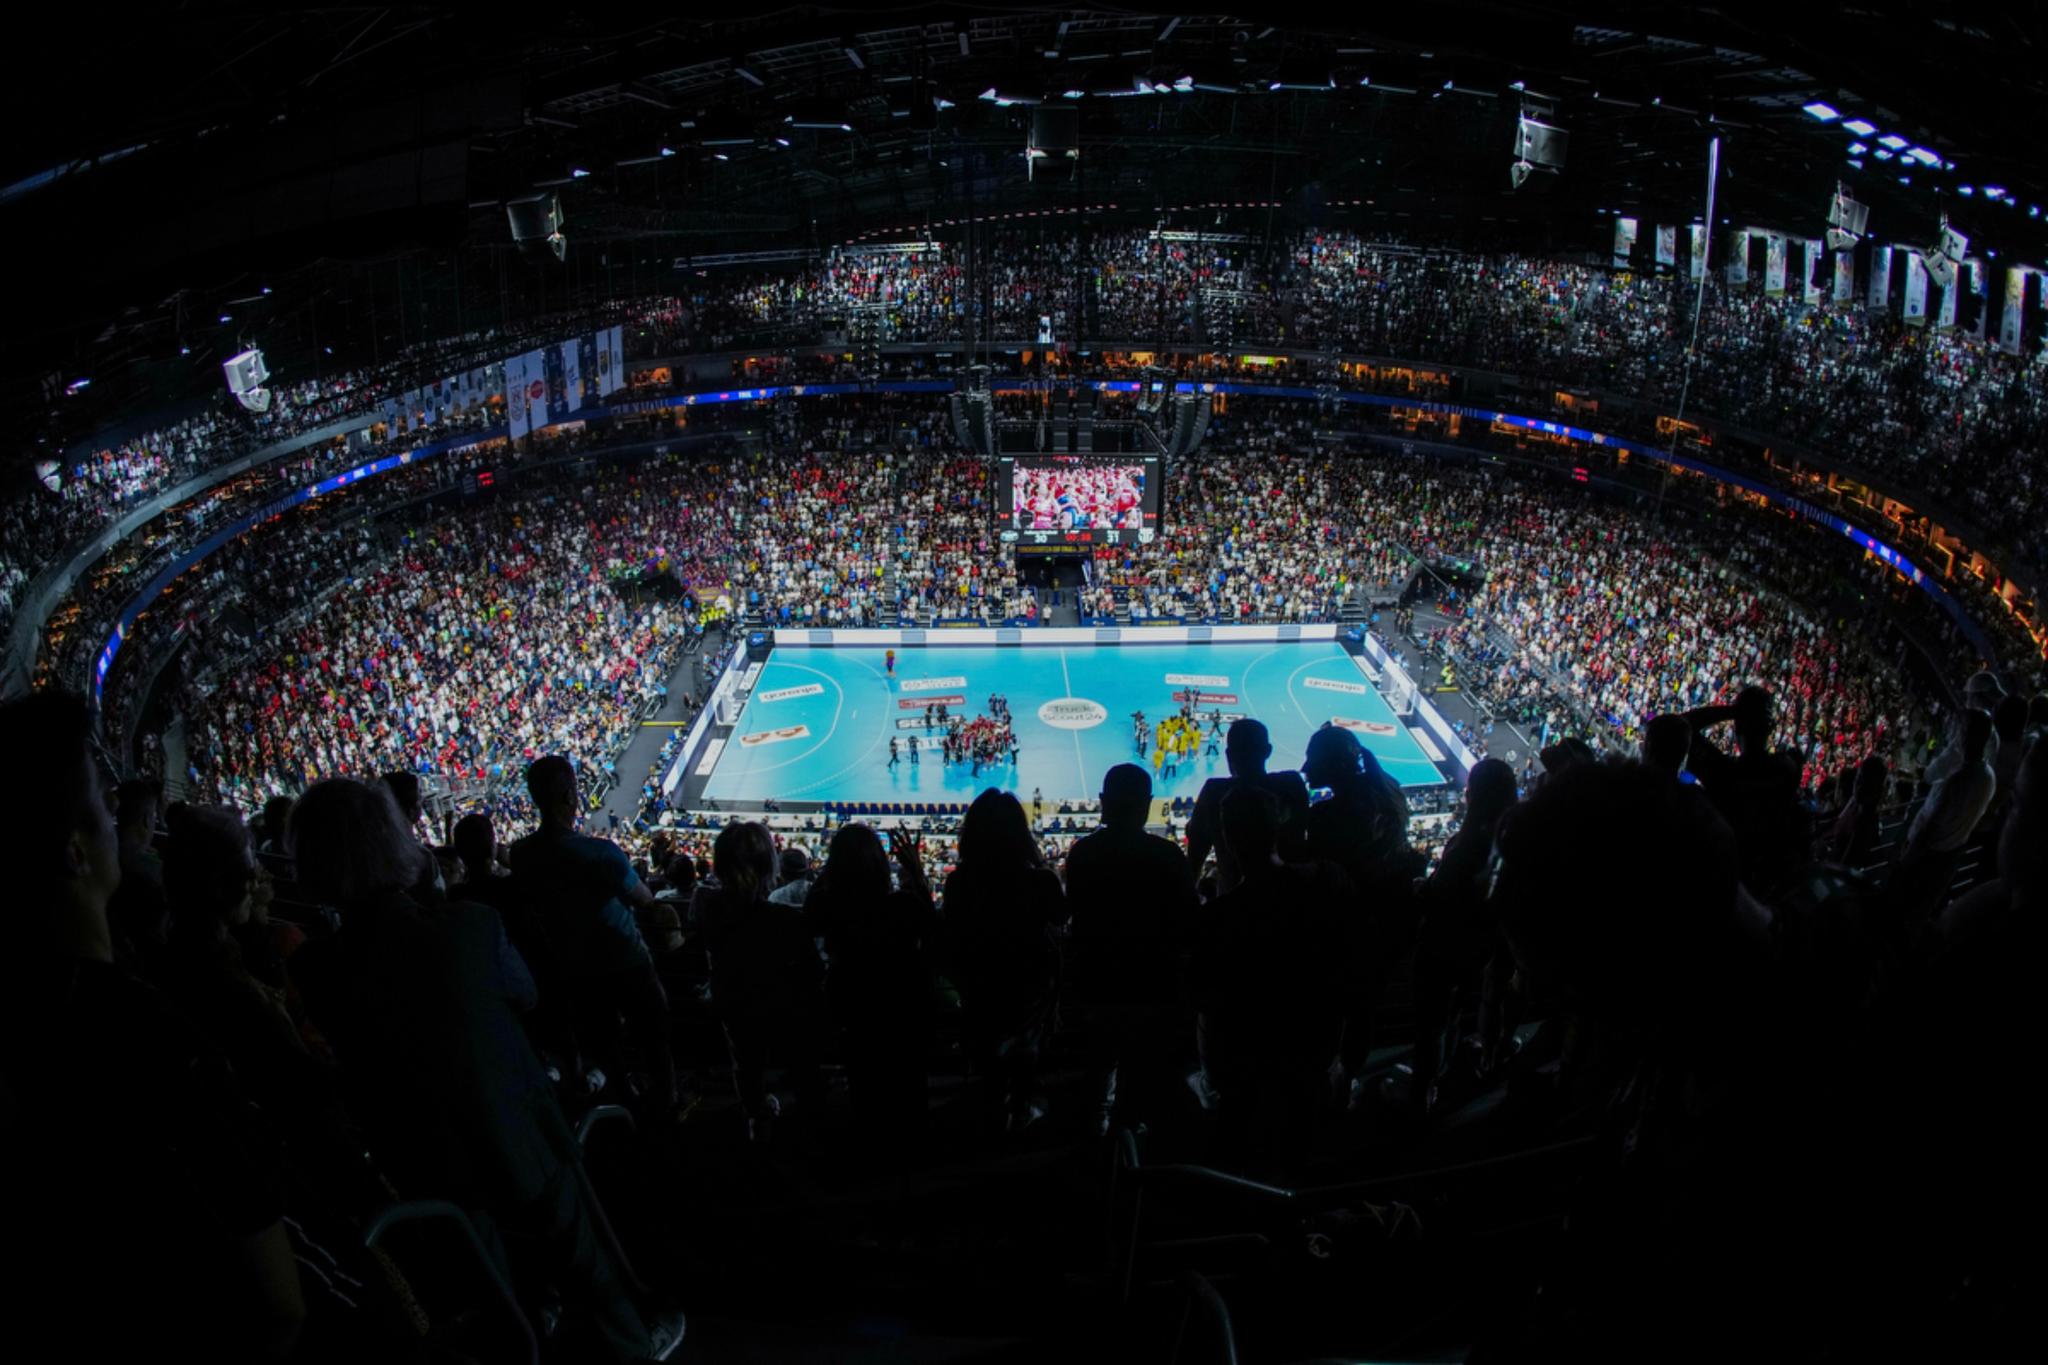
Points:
(976, 685)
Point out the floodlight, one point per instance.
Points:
(246, 373)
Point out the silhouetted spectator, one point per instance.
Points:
(274, 835)
(1276, 962)
(1131, 896)
(1667, 739)
(405, 790)
(1943, 825)
(147, 1207)
(1854, 835)
(1756, 790)
(879, 943)
(589, 899)
(1620, 899)
(1459, 933)
(551, 1023)
(139, 913)
(1001, 903)
(1362, 826)
(1246, 749)
(422, 1006)
(765, 974)
(210, 874)
(793, 884)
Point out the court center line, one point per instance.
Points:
(1080, 768)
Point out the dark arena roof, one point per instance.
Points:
(355, 161)
(1014, 684)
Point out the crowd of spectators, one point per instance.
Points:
(1580, 612)
(447, 1008)
(1920, 408)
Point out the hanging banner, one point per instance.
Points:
(515, 401)
(1667, 244)
(1774, 265)
(1699, 252)
(2015, 309)
(1915, 312)
(1624, 241)
(611, 361)
(1880, 277)
(572, 373)
(1845, 277)
(536, 389)
(1980, 281)
(1945, 315)
(1810, 288)
(1738, 256)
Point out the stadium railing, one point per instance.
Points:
(468, 1249)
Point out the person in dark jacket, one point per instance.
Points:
(1246, 750)
(765, 974)
(1132, 898)
(209, 873)
(1359, 821)
(146, 1211)
(594, 908)
(1001, 904)
(423, 1009)
(1275, 963)
(1458, 934)
(879, 943)
(550, 1024)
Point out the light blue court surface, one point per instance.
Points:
(818, 724)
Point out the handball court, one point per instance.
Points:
(817, 724)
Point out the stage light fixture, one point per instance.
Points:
(246, 373)
(1946, 255)
(536, 224)
(1893, 141)
(1826, 113)
(1539, 146)
(1848, 220)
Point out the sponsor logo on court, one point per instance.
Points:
(761, 737)
(919, 703)
(710, 759)
(1333, 685)
(1196, 680)
(1368, 727)
(789, 693)
(1073, 713)
(932, 684)
(1208, 698)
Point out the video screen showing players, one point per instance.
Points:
(1070, 499)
